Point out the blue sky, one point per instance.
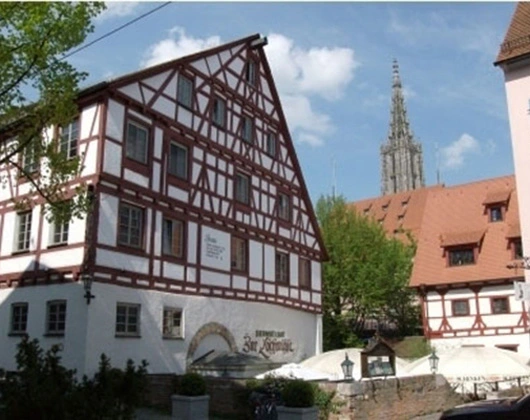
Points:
(332, 63)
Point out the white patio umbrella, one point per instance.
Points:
(330, 363)
(296, 371)
(468, 365)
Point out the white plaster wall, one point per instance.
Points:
(8, 235)
(108, 216)
(517, 84)
(115, 120)
(112, 158)
(76, 316)
(240, 318)
(522, 340)
(256, 259)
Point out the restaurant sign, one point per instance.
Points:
(267, 343)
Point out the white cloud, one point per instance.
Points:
(310, 139)
(171, 47)
(300, 115)
(321, 71)
(302, 76)
(454, 155)
(118, 9)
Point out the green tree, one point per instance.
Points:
(38, 89)
(366, 276)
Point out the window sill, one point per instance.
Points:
(58, 334)
(18, 334)
(57, 245)
(242, 207)
(284, 223)
(127, 336)
(167, 337)
(20, 252)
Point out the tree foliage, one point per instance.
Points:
(366, 277)
(38, 89)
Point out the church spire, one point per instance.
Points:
(401, 156)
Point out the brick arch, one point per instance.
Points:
(207, 329)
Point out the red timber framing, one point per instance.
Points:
(478, 321)
(214, 155)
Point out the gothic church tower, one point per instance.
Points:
(401, 156)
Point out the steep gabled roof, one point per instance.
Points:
(441, 218)
(208, 63)
(517, 40)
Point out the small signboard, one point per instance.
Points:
(522, 290)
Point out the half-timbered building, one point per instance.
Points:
(468, 257)
(202, 235)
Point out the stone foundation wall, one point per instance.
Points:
(392, 398)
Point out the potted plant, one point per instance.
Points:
(190, 401)
(299, 401)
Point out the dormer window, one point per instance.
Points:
(516, 246)
(461, 256)
(462, 248)
(496, 203)
(495, 213)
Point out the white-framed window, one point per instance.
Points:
(238, 254)
(500, 305)
(128, 319)
(282, 267)
(185, 91)
(242, 188)
(30, 160)
(68, 139)
(270, 146)
(304, 273)
(59, 233)
(130, 228)
(178, 160)
(23, 234)
(219, 112)
(56, 317)
(172, 323)
(136, 142)
(19, 318)
(173, 237)
(247, 128)
(284, 207)
(460, 307)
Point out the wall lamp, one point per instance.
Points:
(87, 280)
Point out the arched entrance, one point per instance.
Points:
(210, 329)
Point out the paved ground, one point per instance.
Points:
(149, 414)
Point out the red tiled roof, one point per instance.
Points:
(517, 40)
(441, 216)
(497, 197)
(462, 238)
(514, 231)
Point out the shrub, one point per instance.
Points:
(326, 402)
(191, 384)
(44, 389)
(298, 393)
